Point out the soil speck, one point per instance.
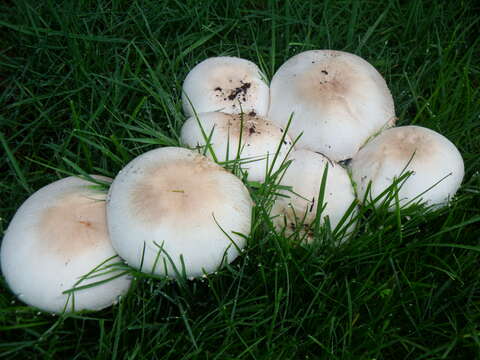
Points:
(240, 90)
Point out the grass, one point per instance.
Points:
(85, 86)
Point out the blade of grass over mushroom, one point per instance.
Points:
(232, 242)
(207, 137)
(178, 273)
(277, 152)
(348, 219)
(105, 267)
(320, 206)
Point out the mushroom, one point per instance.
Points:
(435, 164)
(58, 241)
(297, 208)
(338, 101)
(263, 145)
(227, 84)
(173, 212)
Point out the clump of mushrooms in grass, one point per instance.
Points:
(174, 212)
(343, 108)
(56, 254)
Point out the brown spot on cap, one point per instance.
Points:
(326, 88)
(76, 223)
(251, 125)
(404, 142)
(179, 192)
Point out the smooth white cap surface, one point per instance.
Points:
(305, 175)
(432, 158)
(173, 205)
(260, 140)
(223, 84)
(58, 235)
(338, 101)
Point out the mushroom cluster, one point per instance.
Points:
(170, 212)
(340, 113)
(322, 131)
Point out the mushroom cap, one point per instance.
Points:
(260, 140)
(172, 211)
(57, 236)
(223, 84)
(338, 101)
(432, 158)
(304, 175)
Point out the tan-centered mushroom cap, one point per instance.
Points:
(305, 175)
(261, 140)
(338, 101)
(56, 237)
(171, 208)
(227, 84)
(436, 164)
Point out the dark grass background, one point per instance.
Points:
(87, 85)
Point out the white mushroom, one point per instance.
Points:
(57, 237)
(262, 148)
(172, 211)
(436, 166)
(227, 84)
(338, 101)
(298, 208)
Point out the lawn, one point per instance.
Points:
(85, 86)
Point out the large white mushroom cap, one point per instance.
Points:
(227, 84)
(261, 143)
(172, 211)
(436, 164)
(338, 101)
(304, 175)
(56, 237)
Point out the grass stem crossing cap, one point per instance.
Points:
(258, 141)
(173, 212)
(56, 237)
(435, 163)
(298, 208)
